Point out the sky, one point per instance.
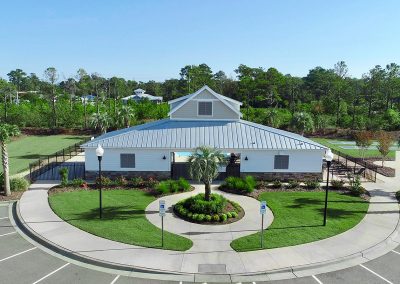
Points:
(152, 40)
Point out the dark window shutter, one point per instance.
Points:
(281, 162)
(127, 160)
(205, 108)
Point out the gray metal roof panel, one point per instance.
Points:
(186, 135)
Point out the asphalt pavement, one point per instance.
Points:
(22, 262)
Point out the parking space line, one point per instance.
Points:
(2, 218)
(376, 274)
(17, 254)
(316, 279)
(51, 273)
(8, 234)
(395, 251)
(115, 279)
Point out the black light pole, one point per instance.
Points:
(328, 158)
(99, 154)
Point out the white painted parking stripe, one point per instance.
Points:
(115, 280)
(2, 218)
(376, 274)
(8, 234)
(17, 254)
(51, 273)
(316, 279)
(395, 251)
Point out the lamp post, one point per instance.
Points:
(99, 154)
(328, 159)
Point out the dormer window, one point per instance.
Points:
(205, 108)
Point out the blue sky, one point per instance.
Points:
(145, 40)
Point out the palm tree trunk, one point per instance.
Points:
(6, 170)
(207, 191)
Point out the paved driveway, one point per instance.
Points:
(21, 262)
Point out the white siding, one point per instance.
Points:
(300, 161)
(146, 160)
(220, 111)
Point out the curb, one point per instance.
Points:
(379, 249)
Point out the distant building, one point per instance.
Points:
(88, 99)
(139, 95)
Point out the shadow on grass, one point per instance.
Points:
(29, 157)
(109, 213)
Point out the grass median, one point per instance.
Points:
(123, 219)
(298, 218)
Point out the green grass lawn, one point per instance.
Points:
(298, 218)
(28, 149)
(370, 153)
(123, 217)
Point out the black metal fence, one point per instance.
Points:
(356, 166)
(47, 167)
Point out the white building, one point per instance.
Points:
(205, 118)
(139, 95)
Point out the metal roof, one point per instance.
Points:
(187, 135)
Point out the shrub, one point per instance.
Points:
(215, 218)
(246, 184)
(19, 184)
(198, 204)
(163, 187)
(189, 214)
(183, 184)
(77, 182)
(200, 217)
(64, 176)
(223, 217)
(194, 216)
(137, 182)
(151, 182)
(293, 184)
(355, 185)
(277, 184)
(236, 206)
(312, 184)
(121, 181)
(229, 215)
(105, 181)
(398, 195)
(208, 218)
(234, 214)
(337, 183)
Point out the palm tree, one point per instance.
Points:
(100, 121)
(125, 115)
(6, 132)
(204, 164)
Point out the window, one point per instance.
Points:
(204, 108)
(281, 162)
(127, 160)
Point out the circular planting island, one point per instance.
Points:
(218, 210)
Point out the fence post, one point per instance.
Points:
(63, 155)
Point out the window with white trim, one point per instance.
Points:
(281, 162)
(127, 160)
(204, 108)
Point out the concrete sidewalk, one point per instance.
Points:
(375, 235)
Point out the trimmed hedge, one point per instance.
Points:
(198, 210)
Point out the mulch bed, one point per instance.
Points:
(256, 193)
(15, 195)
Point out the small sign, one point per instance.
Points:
(162, 208)
(263, 207)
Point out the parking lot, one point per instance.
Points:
(22, 262)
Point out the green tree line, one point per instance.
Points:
(323, 98)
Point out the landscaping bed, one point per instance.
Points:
(217, 211)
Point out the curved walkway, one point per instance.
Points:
(375, 235)
(211, 238)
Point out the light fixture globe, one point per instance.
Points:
(328, 155)
(99, 151)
